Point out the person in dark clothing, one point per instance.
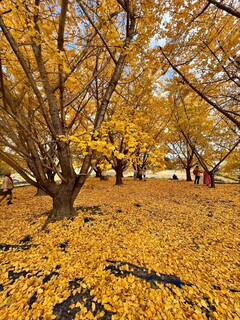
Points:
(197, 174)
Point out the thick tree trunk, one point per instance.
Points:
(188, 174)
(61, 209)
(40, 193)
(119, 179)
(119, 171)
(62, 206)
(119, 174)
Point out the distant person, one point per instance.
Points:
(7, 187)
(175, 177)
(197, 174)
(206, 178)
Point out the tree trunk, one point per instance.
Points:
(98, 172)
(119, 179)
(188, 174)
(212, 179)
(40, 193)
(119, 173)
(62, 205)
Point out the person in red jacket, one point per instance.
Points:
(197, 174)
(7, 187)
(206, 178)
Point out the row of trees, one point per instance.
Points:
(203, 51)
(85, 85)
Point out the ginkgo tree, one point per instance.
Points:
(186, 123)
(128, 135)
(121, 143)
(208, 138)
(51, 55)
(201, 45)
(126, 142)
(221, 146)
(135, 129)
(180, 152)
(232, 164)
(133, 123)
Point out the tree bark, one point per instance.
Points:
(40, 193)
(62, 208)
(119, 172)
(188, 173)
(212, 179)
(119, 180)
(98, 172)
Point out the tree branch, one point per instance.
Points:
(96, 29)
(61, 27)
(15, 165)
(201, 94)
(201, 12)
(27, 71)
(226, 8)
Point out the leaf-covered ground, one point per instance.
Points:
(144, 250)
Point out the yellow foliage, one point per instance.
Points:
(171, 232)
